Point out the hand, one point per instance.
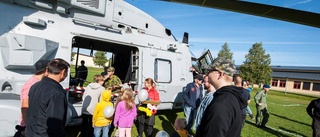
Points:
(260, 104)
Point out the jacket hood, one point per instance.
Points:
(106, 95)
(236, 91)
(94, 85)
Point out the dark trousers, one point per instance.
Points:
(192, 117)
(149, 129)
(243, 120)
(316, 127)
(262, 116)
(86, 127)
(145, 121)
(80, 81)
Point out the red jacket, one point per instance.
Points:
(153, 94)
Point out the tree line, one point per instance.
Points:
(256, 66)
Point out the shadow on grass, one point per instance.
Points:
(166, 125)
(168, 117)
(72, 131)
(269, 130)
(283, 117)
(170, 114)
(291, 131)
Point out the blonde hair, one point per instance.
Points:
(97, 78)
(151, 82)
(128, 98)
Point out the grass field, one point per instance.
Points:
(288, 116)
(91, 72)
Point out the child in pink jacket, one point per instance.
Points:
(125, 113)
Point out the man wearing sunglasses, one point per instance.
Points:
(223, 116)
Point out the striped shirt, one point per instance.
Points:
(204, 103)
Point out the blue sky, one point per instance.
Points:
(287, 43)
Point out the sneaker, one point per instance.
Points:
(252, 117)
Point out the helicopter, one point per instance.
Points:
(141, 48)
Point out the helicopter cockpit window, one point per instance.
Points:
(163, 71)
(203, 60)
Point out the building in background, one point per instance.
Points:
(296, 79)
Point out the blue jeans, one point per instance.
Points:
(190, 115)
(249, 110)
(105, 130)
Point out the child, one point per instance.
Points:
(179, 125)
(99, 122)
(125, 113)
(90, 99)
(143, 119)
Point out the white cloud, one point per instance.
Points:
(297, 3)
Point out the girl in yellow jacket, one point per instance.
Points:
(99, 122)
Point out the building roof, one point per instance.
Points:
(296, 75)
(296, 72)
(296, 68)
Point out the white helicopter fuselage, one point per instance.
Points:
(33, 30)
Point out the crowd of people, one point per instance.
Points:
(44, 103)
(221, 111)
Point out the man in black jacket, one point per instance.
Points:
(223, 116)
(46, 115)
(313, 111)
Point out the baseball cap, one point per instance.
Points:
(266, 86)
(41, 65)
(221, 64)
(199, 77)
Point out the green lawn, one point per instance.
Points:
(288, 116)
(91, 72)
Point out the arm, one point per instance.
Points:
(249, 97)
(257, 98)
(24, 109)
(310, 107)
(84, 94)
(56, 112)
(135, 111)
(116, 115)
(185, 95)
(95, 113)
(25, 101)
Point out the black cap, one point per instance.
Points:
(199, 77)
(41, 65)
